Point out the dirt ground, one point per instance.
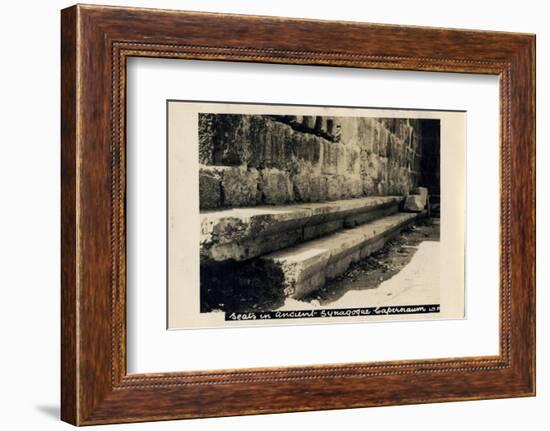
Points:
(380, 266)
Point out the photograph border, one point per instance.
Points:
(368, 111)
(95, 44)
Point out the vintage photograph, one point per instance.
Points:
(311, 215)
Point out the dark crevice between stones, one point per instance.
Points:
(240, 287)
(261, 197)
(222, 194)
(297, 195)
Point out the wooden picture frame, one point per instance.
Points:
(96, 41)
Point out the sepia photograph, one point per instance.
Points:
(313, 215)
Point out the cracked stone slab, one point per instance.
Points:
(244, 233)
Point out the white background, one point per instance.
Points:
(152, 349)
(29, 216)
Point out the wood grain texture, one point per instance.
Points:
(96, 41)
(68, 218)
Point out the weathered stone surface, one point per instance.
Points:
(303, 183)
(209, 188)
(359, 218)
(231, 137)
(369, 185)
(302, 187)
(329, 158)
(373, 167)
(306, 147)
(414, 203)
(255, 141)
(206, 138)
(422, 191)
(271, 143)
(383, 152)
(240, 186)
(352, 159)
(307, 266)
(334, 187)
(383, 142)
(321, 229)
(243, 233)
(405, 180)
(353, 187)
(383, 171)
(276, 187)
(318, 189)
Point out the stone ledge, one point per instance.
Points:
(306, 267)
(245, 233)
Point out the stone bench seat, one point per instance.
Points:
(240, 234)
(304, 268)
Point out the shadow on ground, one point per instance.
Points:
(52, 411)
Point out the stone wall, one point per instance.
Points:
(249, 160)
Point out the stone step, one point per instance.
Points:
(304, 268)
(240, 234)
